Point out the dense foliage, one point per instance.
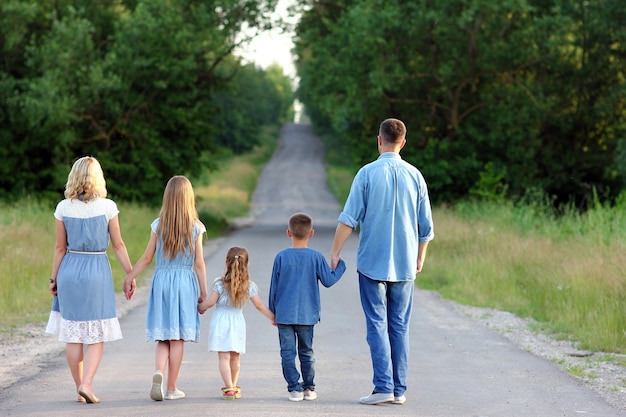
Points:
(505, 98)
(149, 87)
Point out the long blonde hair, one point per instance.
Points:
(86, 180)
(177, 218)
(236, 278)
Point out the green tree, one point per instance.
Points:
(133, 83)
(527, 89)
(254, 98)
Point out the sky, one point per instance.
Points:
(272, 47)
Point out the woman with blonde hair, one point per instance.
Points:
(178, 284)
(227, 330)
(83, 310)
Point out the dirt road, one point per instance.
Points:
(458, 367)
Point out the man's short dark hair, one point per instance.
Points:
(392, 130)
(300, 225)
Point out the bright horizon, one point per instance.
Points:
(272, 47)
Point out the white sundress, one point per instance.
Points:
(227, 329)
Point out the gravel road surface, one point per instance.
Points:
(458, 367)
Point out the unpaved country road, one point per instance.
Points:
(458, 367)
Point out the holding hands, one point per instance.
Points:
(129, 287)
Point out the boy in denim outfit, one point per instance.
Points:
(295, 300)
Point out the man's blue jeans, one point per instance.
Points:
(295, 338)
(387, 307)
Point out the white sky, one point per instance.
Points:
(275, 47)
(272, 47)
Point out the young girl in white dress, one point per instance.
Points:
(227, 329)
(178, 282)
(83, 308)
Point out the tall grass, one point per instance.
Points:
(225, 194)
(567, 271)
(27, 236)
(27, 232)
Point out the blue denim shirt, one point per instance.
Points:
(389, 201)
(294, 290)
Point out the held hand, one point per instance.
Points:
(334, 260)
(129, 288)
(200, 309)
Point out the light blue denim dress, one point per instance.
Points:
(84, 309)
(172, 312)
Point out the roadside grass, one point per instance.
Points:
(27, 232)
(566, 271)
(225, 194)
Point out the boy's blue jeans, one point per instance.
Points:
(297, 339)
(387, 306)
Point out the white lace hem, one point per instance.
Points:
(92, 331)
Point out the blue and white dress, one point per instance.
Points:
(172, 312)
(227, 329)
(83, 311)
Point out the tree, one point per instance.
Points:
(511, 89)
(254, 98)
(133, 83)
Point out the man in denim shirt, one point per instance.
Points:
(295, 300)
(389, 201)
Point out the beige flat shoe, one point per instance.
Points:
(89, 397)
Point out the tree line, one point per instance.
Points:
(152, 88)
(507, 99)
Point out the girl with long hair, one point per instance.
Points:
(178, 283)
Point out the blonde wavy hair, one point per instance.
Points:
(236, 278)
(177, 217)
(86, 180)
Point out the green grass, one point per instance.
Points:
(27, 233)
(225, 194)
(563, 271)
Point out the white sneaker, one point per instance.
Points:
(156, 392)
(310, 395)
(399, 400)
(377, 398)
(296, 396)
(174, 395)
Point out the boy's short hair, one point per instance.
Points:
(300, 225)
